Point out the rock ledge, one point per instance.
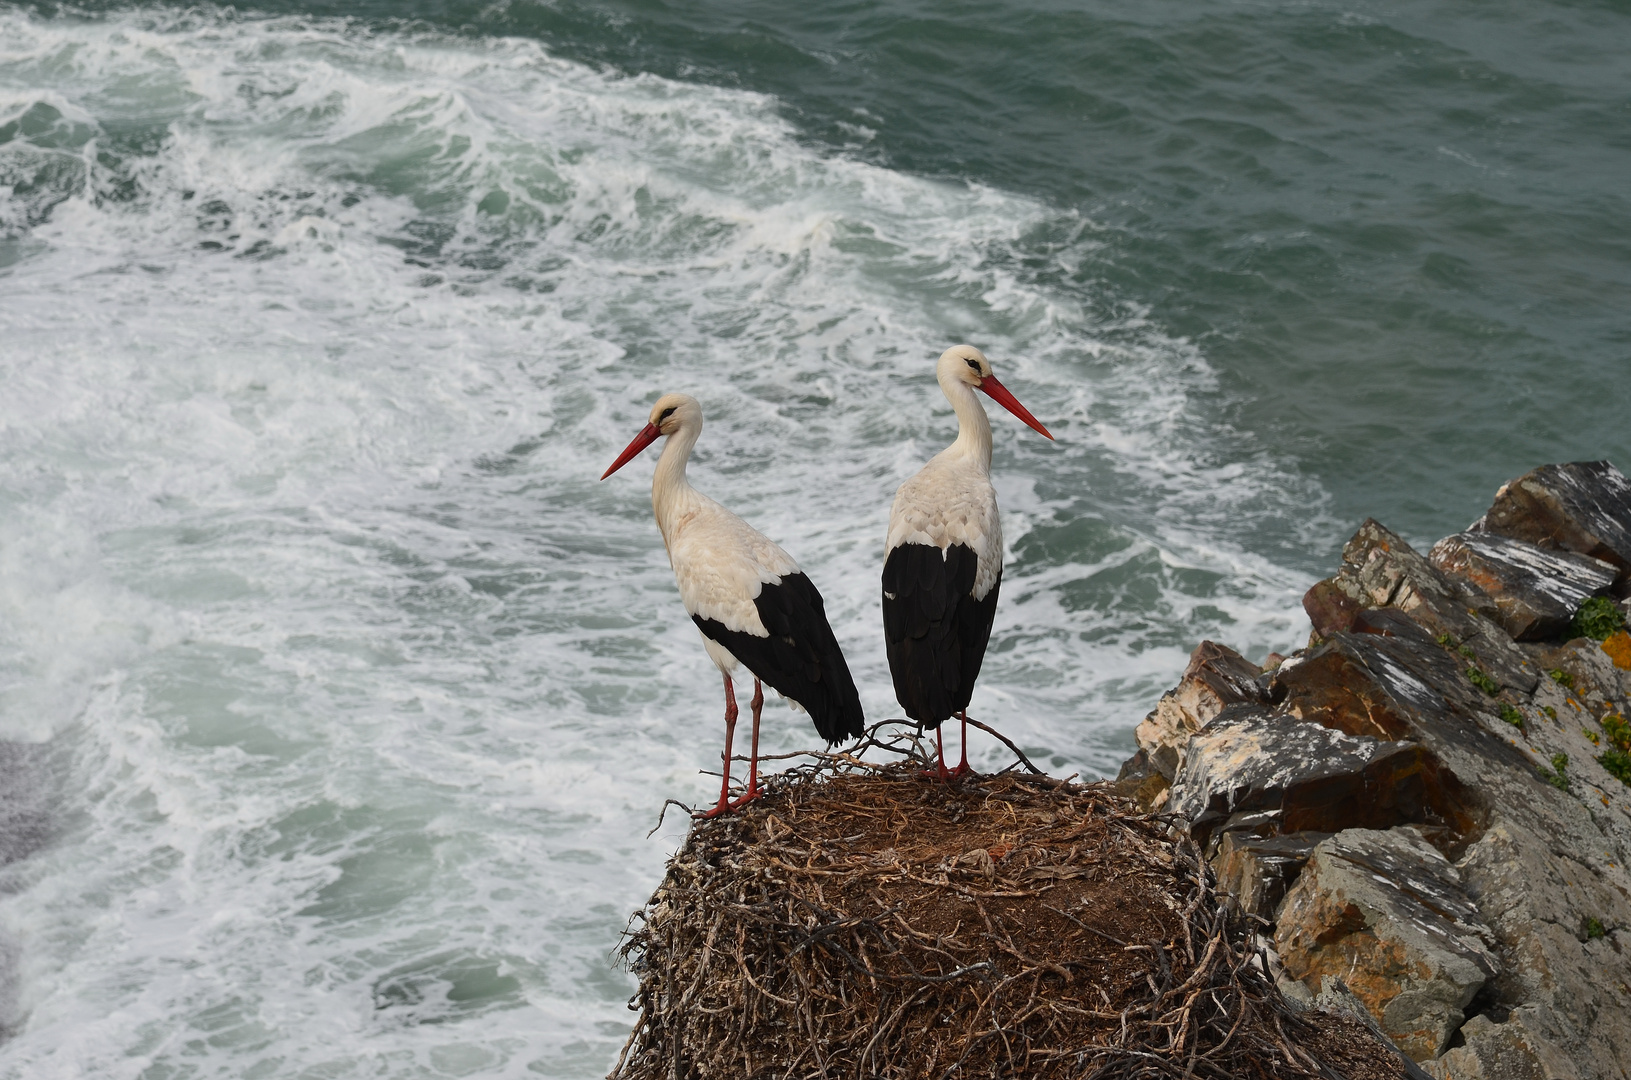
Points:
(1429, 803)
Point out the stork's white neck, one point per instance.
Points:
(671, 493)
(973, 427)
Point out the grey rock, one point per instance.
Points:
(1581, 506)
(1536, 591)
(1595, 680)
(1386, 685)
(1395, 686)
(1505, 1050)
(1255, 871)
(1306, 777)
(1137, 767)
(1537, 895)
(1144, 779)
(1335, 997)
(1385, 912)
(1380, 570)
(1215, 678)
(1378, 724)
(1296, 992)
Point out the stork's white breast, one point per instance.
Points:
(950, 502)
(722, 563)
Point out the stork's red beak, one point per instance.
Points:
(647, 436)
(999, 393)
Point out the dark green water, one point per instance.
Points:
(1401, 234)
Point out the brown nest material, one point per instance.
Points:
(863, 921)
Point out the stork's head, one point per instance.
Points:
(671, 413)
(967, 365)
(964, 364)
(674, 411)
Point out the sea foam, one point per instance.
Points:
(357, 690)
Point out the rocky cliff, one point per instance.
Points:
(1428, 807)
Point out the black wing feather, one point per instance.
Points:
(934, 630)
(800, 659)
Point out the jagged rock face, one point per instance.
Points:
(1385, 912)
(1582, 506)
(1536, 591)
(1298, 777)
(1216, 678)
(1141, 780)
(1380, 570)
(1414, 704)
(1391, 684)
(1330, 607)
(1596, 679)
(1255, 871)
(1539, 899)
(1509, 1050)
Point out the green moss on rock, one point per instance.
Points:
(1599, 618)
(1557, 775)
(1617, 731)
(1482, 681)
(1618, 764)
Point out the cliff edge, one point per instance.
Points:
(1430, 801)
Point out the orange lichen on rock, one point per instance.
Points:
(1383, 911)
(1618, 648)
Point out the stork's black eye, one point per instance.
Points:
(665, 414)
(975, 364)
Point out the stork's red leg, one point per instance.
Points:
(753, 762)
(730, 729)
(939, 772)
(963, 766)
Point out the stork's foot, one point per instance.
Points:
(963, 769)
(724, 807)
(731, 806)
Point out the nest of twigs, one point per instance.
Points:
(865, 921)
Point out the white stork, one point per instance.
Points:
(748, 597)
(943, 558)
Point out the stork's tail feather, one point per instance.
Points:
(842, 719)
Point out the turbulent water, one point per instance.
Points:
(340, 695)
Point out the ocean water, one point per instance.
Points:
(338, 696)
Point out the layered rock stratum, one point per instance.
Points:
(1427, 807)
